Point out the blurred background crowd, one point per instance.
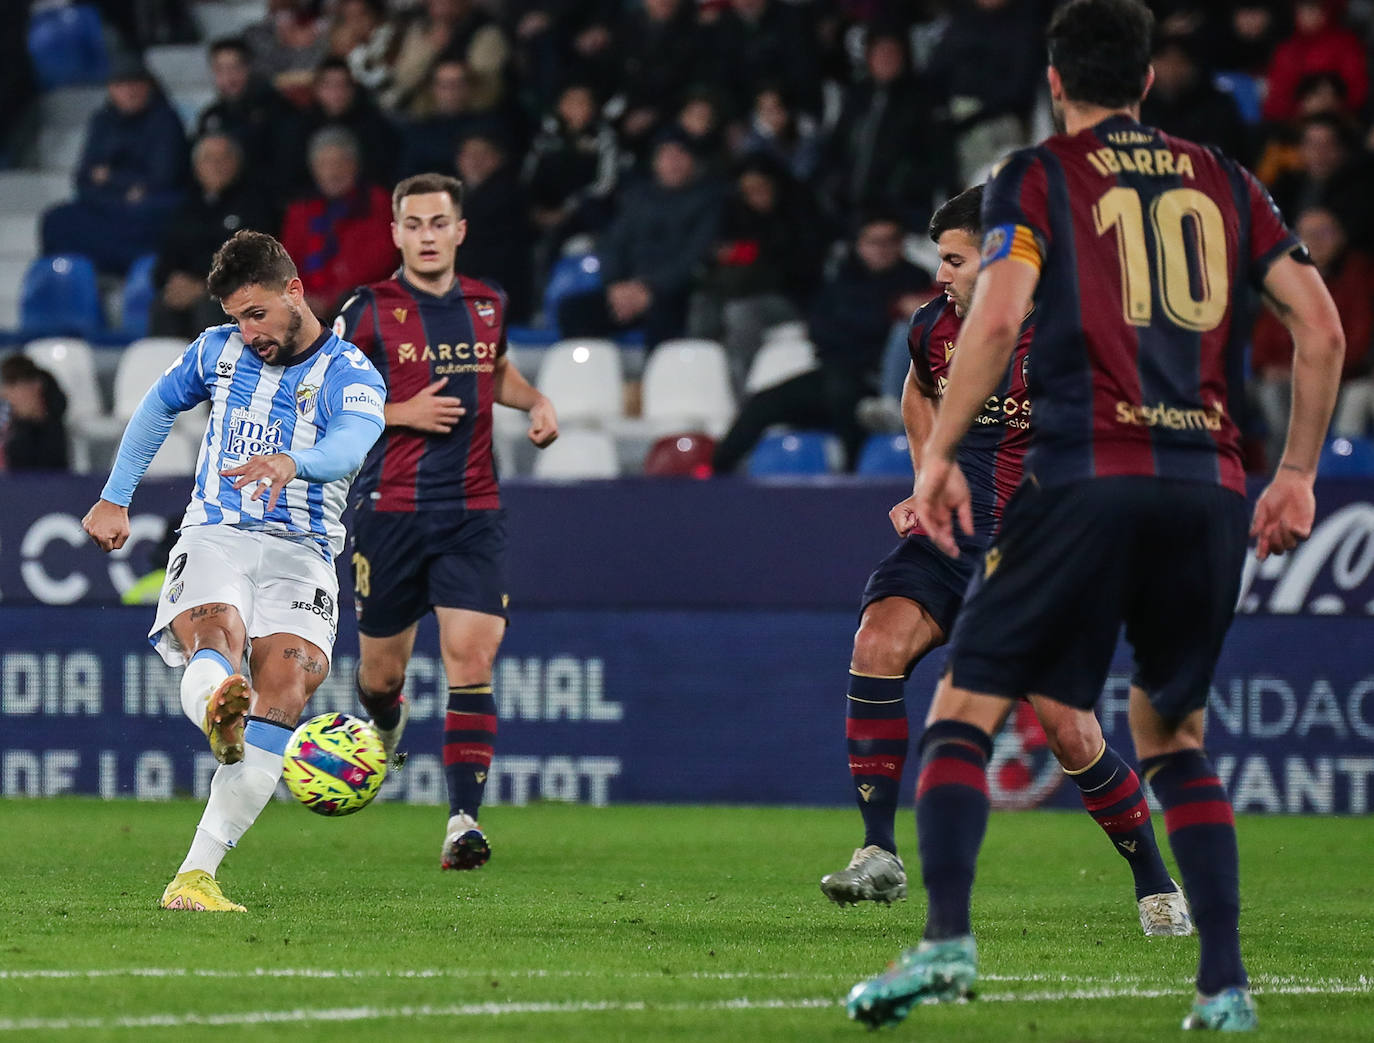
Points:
(720, 198)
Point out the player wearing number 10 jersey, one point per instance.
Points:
(1134, 247)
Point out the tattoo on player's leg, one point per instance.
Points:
(206, 611)
(309, 663)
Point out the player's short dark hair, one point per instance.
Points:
(237, 44)
(249, 258)
(423, 184)
(1101, 50)
(964, 212)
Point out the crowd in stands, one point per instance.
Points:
(732, 164)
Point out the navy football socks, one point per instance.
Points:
(876, 730)
(951, 818)
(383, 707)
(469, 737)
(1202, 832)
(1111, 792)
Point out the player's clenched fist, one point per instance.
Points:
(941, 494)
(904, 517)
(107, 524)
(543, 423)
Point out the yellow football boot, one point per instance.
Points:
(197, 891)
(224, 717)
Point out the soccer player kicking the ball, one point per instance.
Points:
(912, 598)
(293, 412)
(1132, 245)
(429, 531)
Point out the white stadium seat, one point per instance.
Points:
(779, 360)
(140, 364)
(687, 388)
(176, 458)
(578, 454)
(32, 191)
(72, 364)
(584, 378)
(179, 65)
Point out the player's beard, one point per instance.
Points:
(1061, 125)
(284, 350)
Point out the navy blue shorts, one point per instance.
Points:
(1075, 562)
(919, 571)
(404, 564)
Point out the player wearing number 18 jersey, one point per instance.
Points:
(429, 531)
(1133, 246)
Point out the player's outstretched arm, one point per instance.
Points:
(512, 389)
(1295, 292)
(107, 523)
(918, 416)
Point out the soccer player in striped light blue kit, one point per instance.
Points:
(293, 412)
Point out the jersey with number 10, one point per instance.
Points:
(1143, 242)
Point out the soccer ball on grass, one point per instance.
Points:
(334, 764)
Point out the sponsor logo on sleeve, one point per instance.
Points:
(340, 327)
(359, 398)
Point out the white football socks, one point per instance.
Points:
(238, 793)
(204, 673)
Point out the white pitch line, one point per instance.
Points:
(1360, 983)
(347, 1014)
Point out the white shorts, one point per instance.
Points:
(277, 585)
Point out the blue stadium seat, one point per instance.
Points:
(59, 296)
(67, 46)
(579, 273)
(139, 293)
(1245, 92)
(795, 453)
(1347, 458)
(885, 456)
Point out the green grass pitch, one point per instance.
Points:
(634, 923)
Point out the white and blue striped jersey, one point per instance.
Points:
(257, 409)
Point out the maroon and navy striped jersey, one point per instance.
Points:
(414, 338)
(1143, 242)
(993, 452)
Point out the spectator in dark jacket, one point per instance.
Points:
(267, 126)
(340, 236)
(651, 252)
(430, 141)
(758, 42)
(1184, 101)
(1334, 173)
(663, 55)
(989, 62)
(850, 323)
(221, 203)
(870, 162)
(33, 434)
(497, 244)
(340, 102)
(130, 178)
(571, 169)
(766, 262)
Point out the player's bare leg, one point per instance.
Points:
(286, 671)
(469, 642)
(214, 695)
(382, 663)
(894, 633)
(1112, 794)
(1202, 833)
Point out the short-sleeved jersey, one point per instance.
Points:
(1143, 242)
(257, 409)
(993, 451)
(416, 338)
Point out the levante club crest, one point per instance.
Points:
(1022, 772)
(486, 311)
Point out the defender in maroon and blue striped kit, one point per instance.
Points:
(428, 529)
(912, 598)
(1134, 248)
